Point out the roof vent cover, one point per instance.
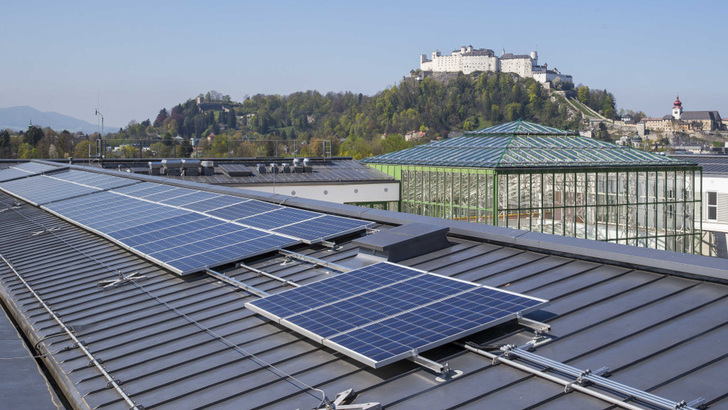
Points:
(405, 242)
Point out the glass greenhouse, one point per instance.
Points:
(528, 176)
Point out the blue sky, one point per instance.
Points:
(136, 57)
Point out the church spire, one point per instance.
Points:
(677, 108)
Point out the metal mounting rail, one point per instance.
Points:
(269, 275)
(238, 284)
(315, 261)
(582, 378)
(110, 381)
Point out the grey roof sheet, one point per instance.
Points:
(700, 115)
(162, 336)
(22, 383)
(336, 170)
(712, 164)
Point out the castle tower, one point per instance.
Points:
(677, 108)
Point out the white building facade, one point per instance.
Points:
(469, 60)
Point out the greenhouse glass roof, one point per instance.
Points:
(522, 144)
(521, 127)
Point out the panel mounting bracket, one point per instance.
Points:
(443, 371)
(536, 326)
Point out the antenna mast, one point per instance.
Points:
(98, 114)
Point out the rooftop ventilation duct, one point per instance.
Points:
(190, 167)
(172, 166)
(404, 242)
(207, 168)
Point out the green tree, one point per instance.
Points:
(27, 151)
(393, 143)
(583, 94)
(185, 150)
(4, 144)
(33, 135)
(81, 150)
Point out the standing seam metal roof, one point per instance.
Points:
(162, 337)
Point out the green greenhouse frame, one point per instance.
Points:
(527, 176)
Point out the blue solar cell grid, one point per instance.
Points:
(446, 320)
(43, 189)
(8, 174)
(242, 210)
(322, 228)
(25, 170)
(278, 217)
(332, 289)
(99, 181)
(146, 190)
(384, 312)
(214, 203)
(189, 198)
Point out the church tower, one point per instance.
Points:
(677, 108)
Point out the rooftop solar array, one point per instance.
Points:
(182, 240)
(25, 170)
(182, 229)
(44, 189)
(386, 312)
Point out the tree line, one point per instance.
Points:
(301, 122)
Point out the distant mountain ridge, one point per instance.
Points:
(18, 118)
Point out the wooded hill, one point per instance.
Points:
(359, 125)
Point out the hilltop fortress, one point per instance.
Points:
(469, 60)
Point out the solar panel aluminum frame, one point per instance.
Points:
(380, 363)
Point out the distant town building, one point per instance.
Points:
(414, 135)
(684, 121)
(469, 60)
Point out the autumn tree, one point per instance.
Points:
(81, 150)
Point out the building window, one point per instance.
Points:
(712, 206)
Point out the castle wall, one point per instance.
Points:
(468, 60)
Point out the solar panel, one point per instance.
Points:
(100, 181)
(189, 198)
(321, 228)
(210, 204)
(181, 240)
(25, 170)
(243, 209)
(278, 218)
(385, 312)
(44, 189)
(183, 229)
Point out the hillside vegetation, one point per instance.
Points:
(357, 125)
